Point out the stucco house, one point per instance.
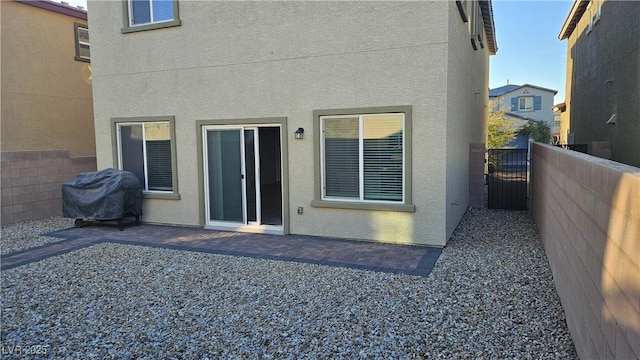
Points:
(602, 106)
(47, 126)
(523, 103)
(557, 114)
(317, 118)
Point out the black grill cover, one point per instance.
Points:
(102, 195)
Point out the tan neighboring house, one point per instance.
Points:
(602, 104)
(341, 119)
(47, 132)
(560, 128)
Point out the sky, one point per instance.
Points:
(529, 51)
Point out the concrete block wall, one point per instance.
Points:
(587, 211)
(32, 181)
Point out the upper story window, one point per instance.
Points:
(150, 11)
(82, 42)
(150, 14)
(594, 9)
(463, 9)
(525, 103)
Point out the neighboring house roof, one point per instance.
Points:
(499, 91)
(577, 9)
(61, 8)
(502, 90)
(489, 27)
(518, 116)
(560, 107)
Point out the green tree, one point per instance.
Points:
(537, 130)
(501, 130)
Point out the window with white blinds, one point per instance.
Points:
(363, 157)
(342, 157)
(150, 11)
(145, 150)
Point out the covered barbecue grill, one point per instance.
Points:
(103, 195)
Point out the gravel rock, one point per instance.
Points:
(24, 235)
(490, 295)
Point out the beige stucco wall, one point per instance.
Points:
(285, 59)
(587, 213)
(46, 94)
(467, 102)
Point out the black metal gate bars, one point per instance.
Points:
(507, 179)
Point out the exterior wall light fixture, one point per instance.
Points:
(299, 133)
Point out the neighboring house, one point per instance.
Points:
(523, 103)
(318, 118)
(47, 108)
(563, 133)
(555, 132)
(603, 81)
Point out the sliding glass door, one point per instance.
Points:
(239, 161)
(225, 174)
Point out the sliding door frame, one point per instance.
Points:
(242, 124)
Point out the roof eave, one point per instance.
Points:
(541, 88)
(562, 107)
(56, 7)
(575, 13)
(489, 26)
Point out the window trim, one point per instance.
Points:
(593, 11)
(598, 10)
(115, 140)
(282, 122)
(479, 31)
(78, 57)
(532, 103)
(361, 178)
(462, 9)
(129, 28)
(404, 206)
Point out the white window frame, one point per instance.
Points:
(79, 43)
(118, 123)
(520, 108)
(131, 24)
(361, 198)
(130, 27)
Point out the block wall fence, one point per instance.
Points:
(587, 211)
(32, 182)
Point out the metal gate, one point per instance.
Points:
(507, 179)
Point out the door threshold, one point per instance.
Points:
(256, 229)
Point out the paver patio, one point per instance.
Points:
(406, 259)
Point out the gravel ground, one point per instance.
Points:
(490, 295)
(25, 235)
